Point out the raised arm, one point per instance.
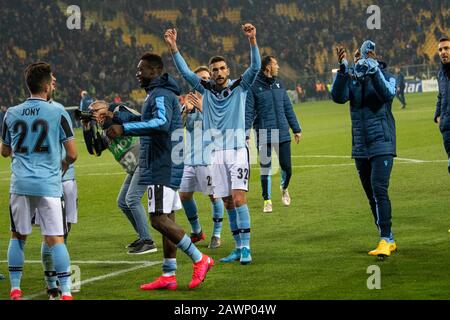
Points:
(255, 65)
(340, 91)
(249, 111)
(170, 37)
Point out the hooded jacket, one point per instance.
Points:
(373, 125)
(160, 121)
(268, 107)
(443, 103)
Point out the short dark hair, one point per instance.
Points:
(216, 59)
(155, 61)
(201, 68)
(265, 61)
(442, 39)
(37, 75)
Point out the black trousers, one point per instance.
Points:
(374, 174)
(446, 138)
(401, 96)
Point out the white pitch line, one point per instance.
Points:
(100, 278)
(256, 166)
(321, 156)
(89, 262)
(411, 160)
(405, 161)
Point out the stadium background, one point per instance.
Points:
(102, 56)
(315, 249)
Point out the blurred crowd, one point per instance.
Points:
(96, 59)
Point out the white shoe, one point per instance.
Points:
(285, 198)
(267, 206)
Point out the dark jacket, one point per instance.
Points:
(85, 102)
(268, 107)
(161, 116)
(401, 81)
(373, 125)
(443, 103)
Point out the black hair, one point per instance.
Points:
(155, 61)
(265, 61)
(37, 75)
(442, 39)
(216, 59)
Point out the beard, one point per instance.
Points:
(50, 95)
(145, 83)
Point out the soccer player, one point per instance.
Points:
(126, 152)
(32, 135)
(160, 121)
(70, 208)
(197, 176)
(269, 108)
(442, 114)
(224, 120)
(371, 90)
(400, 87)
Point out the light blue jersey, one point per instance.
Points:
(224, 111)
(70, 173)
(196, 146)
(35, 131)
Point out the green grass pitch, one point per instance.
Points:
(314, 249)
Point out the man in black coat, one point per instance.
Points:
(442, 116)
(401, 87)
(371, 90)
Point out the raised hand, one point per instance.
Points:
(249, 31)
(372, 55)
(341, 53)
(194, 100)
(170, 37)
(357, 56)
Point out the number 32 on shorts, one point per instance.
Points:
(243, 173)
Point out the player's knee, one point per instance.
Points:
(122, 204)
(53, 240)
(287, 170)
(18, 236)
(132, 201)
(239, 199)
(228, 203)
(157, 222)
(380, 192)
(186, 196)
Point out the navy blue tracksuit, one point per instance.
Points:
(401, 89)
(443, 106)
(373, 135)
(268, 108)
